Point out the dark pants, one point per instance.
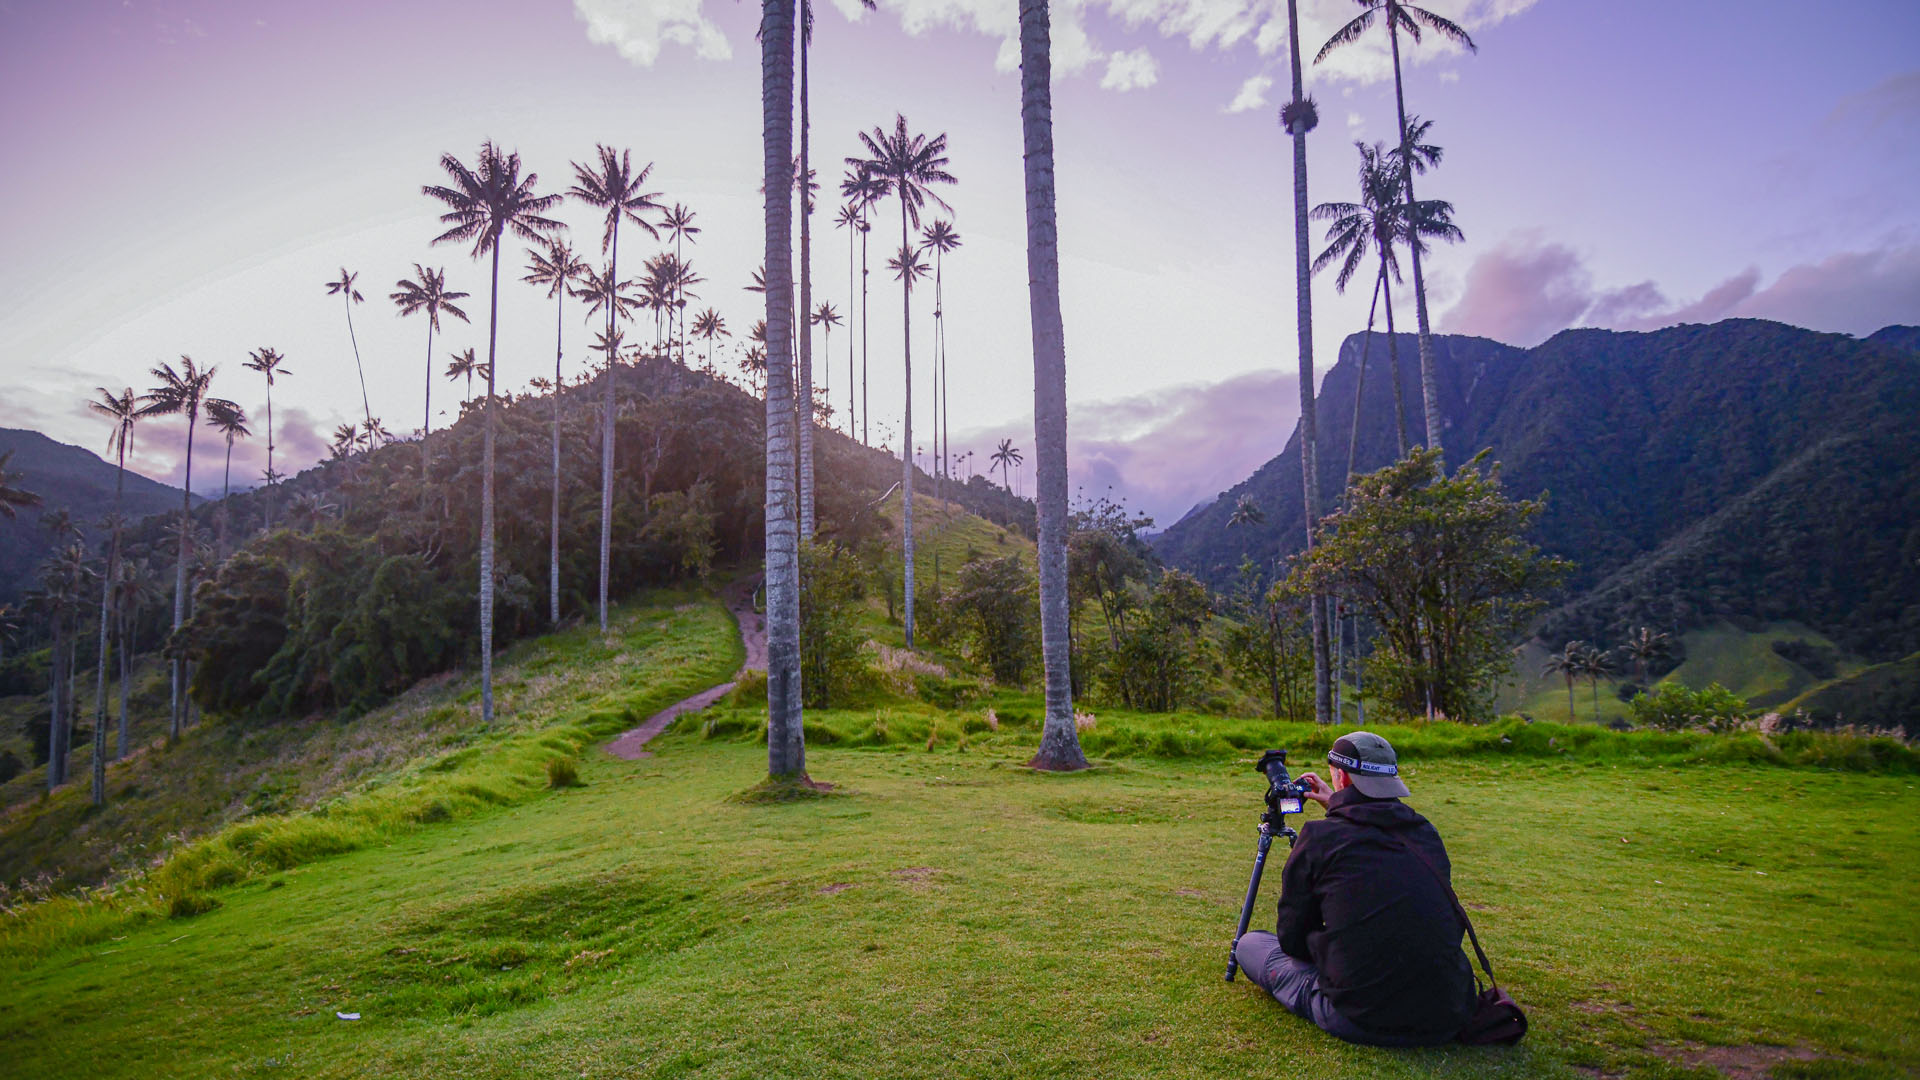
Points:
(1296, 984)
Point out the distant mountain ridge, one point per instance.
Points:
(70, 478)
(1745, 470)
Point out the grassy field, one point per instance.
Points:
(949, 913)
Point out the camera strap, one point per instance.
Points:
(1451, 896)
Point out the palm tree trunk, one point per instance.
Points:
(267, 513)
(226, 493)
(1571, 716)
(1303, 316)
(803, 405)
(486, 505)
(1360, 389)
(1393, 356)
(367, 409)
(56, 694)
(906, 440)
(180, 574)
(1059, 740)
(865, 413)
(126, 675)
(1429, 386)
(852, 228)
(426, 425)
(786, 739)
(553, 532)
(606, 432)
(106, 619)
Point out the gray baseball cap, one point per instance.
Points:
(1371, 762)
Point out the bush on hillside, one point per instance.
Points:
(832, 588)
(993, 612)
(1673, 707)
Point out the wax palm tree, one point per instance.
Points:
(825, 316)
(851, 219)
(863, 190)
(134, 587)
(678, 221)
(709, 325)
(62, 594)
(484, 204)
(13, 497)
(1380, 222)
(786, 739)
(1596, 665)
(1059, 740)
(940, 238)
(376, 433)
(1399, 16)
(462, 365)
(181, 392)
(1570, 664)
(1246, 511)
(1645, 648)
(349, 295)
(1300, 116)
(612, 185)
(267, 362)
(604, 292)
(754, 363)
(122, 410)
(1004, 459)
(559, 269)
(230, 421)
(911, 165)
(429, 295)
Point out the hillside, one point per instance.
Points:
(68, 478)
(1747, 471)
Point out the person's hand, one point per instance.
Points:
(1317, 789)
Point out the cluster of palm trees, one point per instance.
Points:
(1578, 660)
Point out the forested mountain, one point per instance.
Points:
(1745, 470)
(66, 478)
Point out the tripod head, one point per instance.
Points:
(1285, 795)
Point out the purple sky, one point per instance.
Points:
(183, 176)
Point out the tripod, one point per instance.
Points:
(1267, 830)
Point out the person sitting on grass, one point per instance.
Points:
(1367, 945)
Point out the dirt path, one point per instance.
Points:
(631, 745)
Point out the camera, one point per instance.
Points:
(1285, 795)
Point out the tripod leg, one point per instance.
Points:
(1246, 906)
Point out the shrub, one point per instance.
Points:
(994, 610)
(187, 905)
(1673, 707)
(831, 591)
(563, 772)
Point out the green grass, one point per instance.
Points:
(950, 913)
(423, 756)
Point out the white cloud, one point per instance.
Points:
(1450, 76)
(638, 28)
(1355, 123)
(1252, 95)
(1135, 70)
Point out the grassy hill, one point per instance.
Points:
(943, 911)
(1882, 696)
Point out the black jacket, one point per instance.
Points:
(1375, 921)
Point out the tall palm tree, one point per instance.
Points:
(911, 165)
(1004, 459)
(611, 184)
(13, 497)
(805, 187)
(678, 221)
(181, 392)
(122, 410)
(267, 362)
(1570, 664)
(1246, 511)
(1399, 15)
(462, 365)
(1059, 740)
(709, 325)
(851, 219)
(484, 204)
(229, 420)
(786, 738)
(1599, 664)
(1380, 222)
(825, 316)
(558, 268)
(1298, 117)
(62, 594)
(350, 295)
(864, 191)
(940, 238)
(1645, 648)
(133, 589)
(430, 295)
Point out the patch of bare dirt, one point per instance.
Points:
(915, 875)
(835, 887)
(1749, 1061)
